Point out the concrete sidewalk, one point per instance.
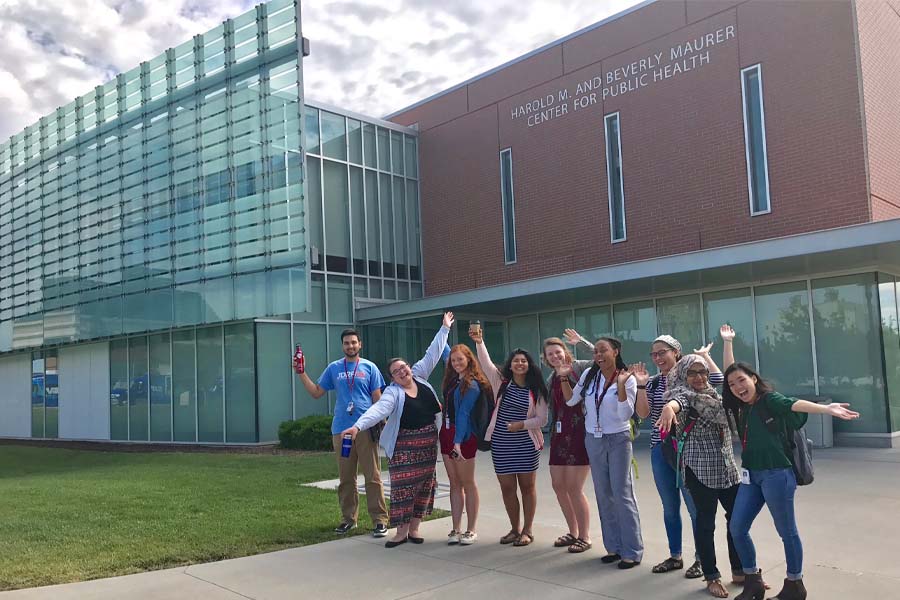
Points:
(848, 520)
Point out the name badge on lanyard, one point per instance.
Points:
(559, 427)
(598, 400)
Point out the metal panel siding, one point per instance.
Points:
(84, 392)
(15, 401)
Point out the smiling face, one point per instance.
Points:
(400, 373)
(663, 356)
(555, 355)
(697, 376)
(605, 355)
(351, 346)
(743, 385)
(459, 362)
(519, 365)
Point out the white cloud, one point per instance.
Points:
(371, 56)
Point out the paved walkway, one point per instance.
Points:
(848, 520)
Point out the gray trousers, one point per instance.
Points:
(610, 458)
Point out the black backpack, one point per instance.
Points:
(481, 416)
(797, 446)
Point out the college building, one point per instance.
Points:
(166, 239)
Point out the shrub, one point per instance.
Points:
(309, 433)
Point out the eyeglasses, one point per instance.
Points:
(399, 370)
(660, 354)
(698, 373)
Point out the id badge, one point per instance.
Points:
(745, 476)
(559, 427)
(597, 432)
(447, 423)
(350, 408)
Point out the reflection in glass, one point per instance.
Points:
(184, 391)
(735, 308)
(51, 394)
(37, 396)
(160, 388)
(848, 353)
(783, 337)
(210, 380)
(240, 384)
(273, 377)
(138, 389)
(635, 325)
(890, 334)
(680, 318)
(312, 339)
(592, 323)
(118, 389)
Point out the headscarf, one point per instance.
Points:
(668, 340)
(706, 402)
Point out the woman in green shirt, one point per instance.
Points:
(767, 477)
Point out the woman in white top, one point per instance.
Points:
(607, 391)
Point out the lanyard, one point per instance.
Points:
(746, 427)
(352, 380)
(598, 400)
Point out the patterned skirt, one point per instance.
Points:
(412, 474)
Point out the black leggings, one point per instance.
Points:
(707, 500)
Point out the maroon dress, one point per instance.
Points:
(567, 442)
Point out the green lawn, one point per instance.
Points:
(68, 515)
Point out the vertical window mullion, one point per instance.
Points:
(615, 187)
(509, 206)
(755, 140)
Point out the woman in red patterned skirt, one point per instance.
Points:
(569, 466)
(410, 437)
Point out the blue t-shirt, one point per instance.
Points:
(337, 376)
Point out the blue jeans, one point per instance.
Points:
(664, 477)
(773, 488)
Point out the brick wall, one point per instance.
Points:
(879, 45)
(683, 156)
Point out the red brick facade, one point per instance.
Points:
(682, 137)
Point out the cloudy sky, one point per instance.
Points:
(370, 56)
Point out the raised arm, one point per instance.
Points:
(703, 352)
(484, 360)
(426, 365)
(378, 412)
(573, 338)
(727, 334)
(641, 377)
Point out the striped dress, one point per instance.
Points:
(513, 452)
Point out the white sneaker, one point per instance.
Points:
(468, 538)
(453, 537)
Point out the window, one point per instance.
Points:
(755, 140)
(509, 206)
(614, 178)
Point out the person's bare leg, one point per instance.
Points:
(508, 489)
(529, 498)
(465, 472)
(575, 478)
(558, 481)
(457, 493)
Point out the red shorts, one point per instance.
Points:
(468, 447)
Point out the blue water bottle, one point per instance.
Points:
(346, 444)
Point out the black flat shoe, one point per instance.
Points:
(610, 558)
(628, 564)
(416, 540)
(393, 544)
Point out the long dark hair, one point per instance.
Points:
(534, 379)
(732, 403)
(595, 368)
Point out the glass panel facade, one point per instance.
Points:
(522, 332)
(184, 384)
(890, 335)
(274, 377)
(783, 337)
(507, 200)
(734, 307)
(160, 388)
(755, 139)
(680, 318)
(51, 394)
(138, 389)
(615, 187)
(635, 325)
(118, 390)
(592, 323)
(210, 382)
(37, 396)
(313, 339)
(151, 193)
(240, 384)
(848, 352)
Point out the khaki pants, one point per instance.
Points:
(364, 456)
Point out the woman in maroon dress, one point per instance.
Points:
(569, 466)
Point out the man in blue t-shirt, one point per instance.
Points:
(358, 384)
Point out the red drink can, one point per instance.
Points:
(299, 360)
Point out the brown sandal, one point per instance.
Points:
(510, 537)
(524, 540)
(565, 540)
(580, 546)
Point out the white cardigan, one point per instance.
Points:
(390, 405)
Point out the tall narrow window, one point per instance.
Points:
(755, 140)
(509, 205)
(614, 178)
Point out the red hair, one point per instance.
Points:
(472, 372)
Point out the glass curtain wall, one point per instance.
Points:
(169, 196)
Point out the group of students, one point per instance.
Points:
(591, 406)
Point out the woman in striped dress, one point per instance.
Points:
(515, 433)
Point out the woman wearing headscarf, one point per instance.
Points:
(706, 462)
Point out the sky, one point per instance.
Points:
(369, 56)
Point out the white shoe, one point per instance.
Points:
(453, 537)
(468, 538)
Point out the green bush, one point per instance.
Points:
(309, 433)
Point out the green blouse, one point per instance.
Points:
(763, 449)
